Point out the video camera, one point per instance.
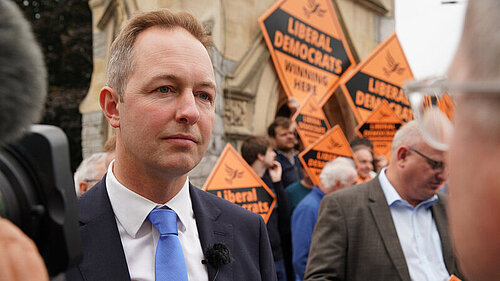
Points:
(37, 194)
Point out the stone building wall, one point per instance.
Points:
(249, 91)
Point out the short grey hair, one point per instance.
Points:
(409, 134)
(478, 55)
(87, 171)
(480, 43)
(341, 169)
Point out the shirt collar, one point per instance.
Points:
(318, 191)
(392, 196)
(292, 155)
(132, 209)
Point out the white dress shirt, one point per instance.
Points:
(139, 237)
(417, 233)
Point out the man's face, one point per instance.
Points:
(474, 189)
(365, 161)
(422, 181)
(284, 138)
(269, 157)
(167, 113)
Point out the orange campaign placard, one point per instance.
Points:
(310, 122)
(454, 278)
(380, 127)
(444, 102)
(234, 180)
(379, 77)
(330, 146)
(308, 47)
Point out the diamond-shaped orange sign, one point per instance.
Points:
(379, 77)
(310, 122)
(234, 180)
(308, 47)
(330, 146)
(380, 127)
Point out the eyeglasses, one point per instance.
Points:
(432, 104)
(434, 164)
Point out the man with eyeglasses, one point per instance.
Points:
(474, 147)
(393, 227)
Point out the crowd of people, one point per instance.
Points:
(381, 220)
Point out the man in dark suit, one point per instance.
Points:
(160, 96)
(393, 227)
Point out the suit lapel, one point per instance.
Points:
(385, 225)
(104, 258)
(211, 229)
(439, 214)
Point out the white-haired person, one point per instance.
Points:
(89, 172)
(336, 174)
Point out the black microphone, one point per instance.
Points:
(217, 255)
(23, 76)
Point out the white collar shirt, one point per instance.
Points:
(417, 233)
(140, 238)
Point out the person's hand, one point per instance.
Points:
(275, 171)
(293, 105)
(19, 257)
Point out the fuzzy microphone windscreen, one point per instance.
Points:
(23, 76)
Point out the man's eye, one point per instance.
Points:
(163, 90)
(204, 96)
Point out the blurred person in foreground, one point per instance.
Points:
(144, 220)
(474, 185)
(336, 174)
(23, 87)
(259, 154)
(393, 227)
(89, 172)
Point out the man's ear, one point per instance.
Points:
(84, 186)
(260, 157)
(272, 140)
(402, 155)
(110, 100)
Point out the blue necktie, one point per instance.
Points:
(169, 260)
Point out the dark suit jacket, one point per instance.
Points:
(218, 221)
(355, 237)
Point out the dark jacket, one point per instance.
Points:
(218, 221)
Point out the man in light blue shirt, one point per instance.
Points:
(393, 227)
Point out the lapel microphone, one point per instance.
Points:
(217, 255)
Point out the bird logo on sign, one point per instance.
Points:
(313, 7)
(392, 66)
(333, 144)
(232, 174)
(382, 115)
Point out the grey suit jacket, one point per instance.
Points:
(218, 221)
(355, 237)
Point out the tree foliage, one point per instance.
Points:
(64, 30)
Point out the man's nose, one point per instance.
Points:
(187, 110)
(441, 173)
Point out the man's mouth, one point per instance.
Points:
(181, 139)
